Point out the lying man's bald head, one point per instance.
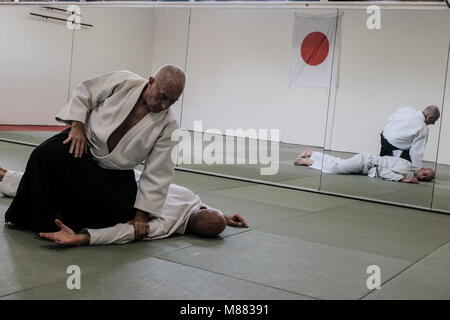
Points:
(206, 223)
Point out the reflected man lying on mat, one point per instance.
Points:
(385, 167)
(183, 212)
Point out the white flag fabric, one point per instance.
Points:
(312, 50)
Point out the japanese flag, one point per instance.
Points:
(312, 50)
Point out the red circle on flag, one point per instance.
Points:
(314, 48)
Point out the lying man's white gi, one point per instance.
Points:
(179, 205)
(10, 183)
(386, 167)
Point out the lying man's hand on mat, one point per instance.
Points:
(65, 236)
(410, 180)
(78, 139)
(236, 220)
(140, 224)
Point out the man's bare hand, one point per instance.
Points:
(411, 180)
(236, 220)
(141, 225)
(65, 236)
(78, 139)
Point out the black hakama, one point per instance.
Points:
(387, 149)
(77, 191)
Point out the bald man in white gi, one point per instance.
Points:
(125, 120)
(406, 133)
(183, 212)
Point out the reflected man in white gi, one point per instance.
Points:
(406, 133)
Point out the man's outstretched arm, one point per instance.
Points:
(393, 175)
(410, 180)
(119, 234)
(390, 174)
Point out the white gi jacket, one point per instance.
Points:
(102, 104)
(406, 129)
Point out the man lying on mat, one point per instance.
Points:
(385, 167)
(183, 212)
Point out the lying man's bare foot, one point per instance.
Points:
(2, 172)
(10, 224)
(305, 154)
(303, 162)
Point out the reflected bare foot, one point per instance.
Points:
(303, 162)
(305, 154)
(308, 152)
(2, 172)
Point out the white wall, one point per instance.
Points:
(121, 39)
(36, 55)
(238, 66)
(170, 42)
(34, 66)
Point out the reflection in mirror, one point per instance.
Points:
(387, 108)
(243, 79)
(441, 194)
(242, 157)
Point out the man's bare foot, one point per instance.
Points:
(2, 172)
(307, 153)
(304, 155)
(303, 162)
(10, 224)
